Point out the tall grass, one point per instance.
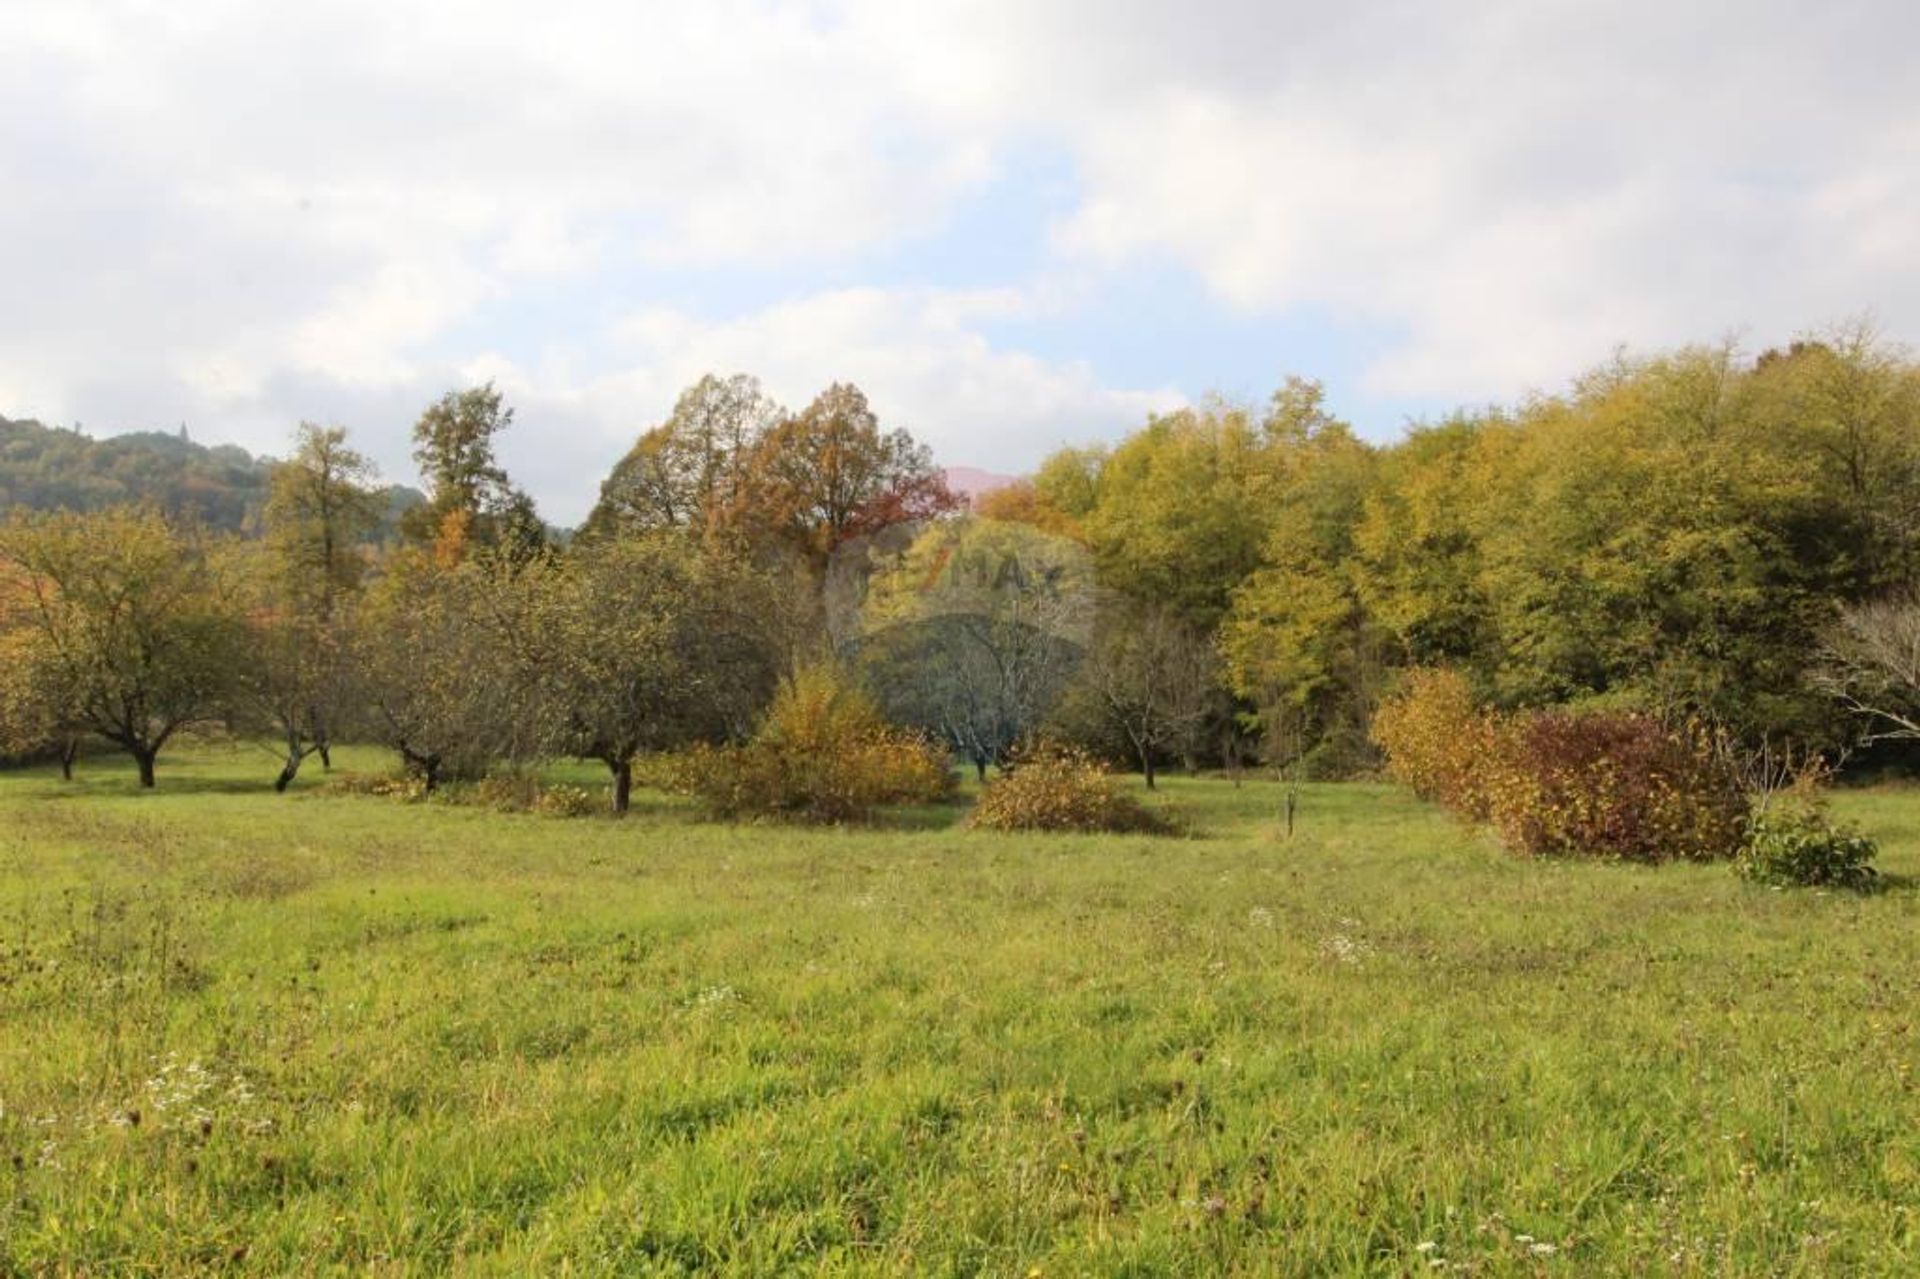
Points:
(295, 1034)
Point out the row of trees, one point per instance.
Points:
(477, 640)
(1694, 534)
(1706, 537)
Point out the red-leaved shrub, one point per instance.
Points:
(1610, 784)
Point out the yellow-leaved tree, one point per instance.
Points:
(128, 630)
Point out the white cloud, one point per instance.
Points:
(914, 352)
(241, 214)
(217, 204)
(1515, 187)
(921, 363)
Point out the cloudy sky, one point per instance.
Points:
(1015, 223)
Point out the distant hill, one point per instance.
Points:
(971, 481)
(47, 468)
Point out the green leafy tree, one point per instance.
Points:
(300, 587)
(649, 643)
(1421, 568)
(295, 684)
(38, 716)
(471, 504)
(1300, 643)
(323, 508)
(1181, 513)
(131, 629)
(1068, 481)
(1651, 544)
(1848, 402)
(439, 662)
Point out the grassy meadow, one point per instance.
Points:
(312, 1033)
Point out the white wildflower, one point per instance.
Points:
(714, 996)
(1343, 949)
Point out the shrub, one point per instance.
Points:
(1797, 845)
(1438, 742)
(1063, 789)
(512, 793)
(823, 754)
(405, 787)
(506, 794)
(561, 800)
(1611, 784)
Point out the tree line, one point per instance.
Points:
(1697, 534)
(477, 640)
(1724, 540)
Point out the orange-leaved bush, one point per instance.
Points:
(1565, 783)
(1438, 742)
(823, 753)
(1613, 784)
(1063, 789)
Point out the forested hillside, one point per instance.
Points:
(51, 468)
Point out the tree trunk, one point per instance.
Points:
(69, 751)
(427, 767)
(290, 769)
(980, 768)
(326, 755)
(145, 758)
(622, 785)
(1146, 766)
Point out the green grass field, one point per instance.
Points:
(308, 1033)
